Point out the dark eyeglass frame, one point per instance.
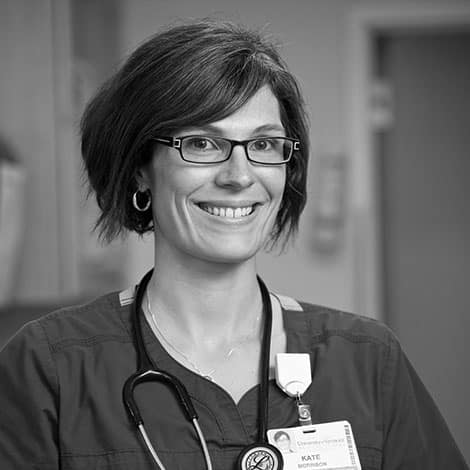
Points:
(176, 142)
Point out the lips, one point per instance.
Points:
(232, 212)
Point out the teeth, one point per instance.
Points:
(233, 213)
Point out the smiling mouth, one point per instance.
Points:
(227, 212)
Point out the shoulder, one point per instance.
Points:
(344, 344)
(102, 319)
(320, 323)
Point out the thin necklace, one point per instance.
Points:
(208, 375)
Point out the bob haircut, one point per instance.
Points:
(191, 74)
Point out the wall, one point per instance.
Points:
(425, 212)
(95, 29)
(313, 35)
(35, 123)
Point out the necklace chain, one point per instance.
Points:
(208, 375)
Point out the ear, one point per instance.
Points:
(142, 176)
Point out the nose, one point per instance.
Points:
(237, 171)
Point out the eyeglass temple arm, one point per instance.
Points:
(170, 141)
(155, 376)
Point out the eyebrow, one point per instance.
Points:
(211, 128)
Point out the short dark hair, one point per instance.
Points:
(191, 74)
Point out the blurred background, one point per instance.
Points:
(387, 226)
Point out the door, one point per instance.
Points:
(424, 184)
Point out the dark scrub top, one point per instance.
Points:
(61, 381)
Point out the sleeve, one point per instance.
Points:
(28, 402)
(416, 435)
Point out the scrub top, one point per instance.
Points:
(61, 380)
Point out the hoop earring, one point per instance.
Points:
(141, 194)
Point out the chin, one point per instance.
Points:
(229, 253)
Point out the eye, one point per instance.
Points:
(200, 144)
(262, 145)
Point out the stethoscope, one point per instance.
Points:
(258, 456)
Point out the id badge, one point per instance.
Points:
(327, 446)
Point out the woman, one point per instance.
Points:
(202, 138)
(283, 441)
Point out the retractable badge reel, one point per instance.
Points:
(294, 376)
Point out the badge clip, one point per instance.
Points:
(304, 412)
(294, 376)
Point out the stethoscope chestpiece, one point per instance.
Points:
(260, 456)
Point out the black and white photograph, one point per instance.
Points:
(226, 226)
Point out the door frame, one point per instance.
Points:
(364, 22)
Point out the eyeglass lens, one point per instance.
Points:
(203, 149)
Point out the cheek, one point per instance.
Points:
(163, 193)
(171, 189)
(276, 183)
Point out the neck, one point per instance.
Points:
(206, 302)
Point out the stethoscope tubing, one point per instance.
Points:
(148, 372)
(154, 454)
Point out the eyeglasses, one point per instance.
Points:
(208, 149)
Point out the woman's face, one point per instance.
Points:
(221, 212)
